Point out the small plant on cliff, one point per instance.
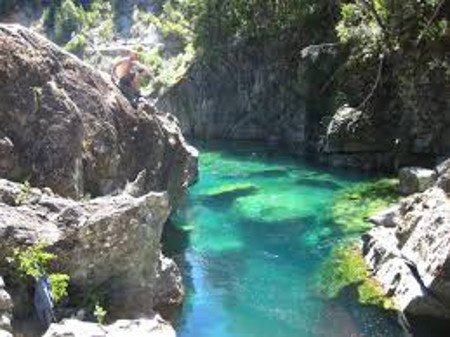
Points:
(35, 262)
(77, 44)
(346, 267)
(24, 192)
(100, 313)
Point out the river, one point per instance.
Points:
(250, 238)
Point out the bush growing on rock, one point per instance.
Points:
(35, 262)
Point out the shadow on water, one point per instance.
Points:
(226, 198)
(344, 316)
(175, 243)
(269, 173)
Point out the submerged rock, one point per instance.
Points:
(409, 253)
(111, 242)
(63, 124)
(155, 327)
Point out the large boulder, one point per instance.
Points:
(354, 138)
(409, 254)
(111, 242)
(415, 179)
(154, 327)
(63, 124)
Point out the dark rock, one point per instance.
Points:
(415, 179)
(250, 93)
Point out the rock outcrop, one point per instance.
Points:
(247, 92)
(409, 251)
(154, 327)
(415, 179)
(111, 242)
(65, 125)
(6, 307)
(352, 139)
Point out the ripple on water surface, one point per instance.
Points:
(258, 227)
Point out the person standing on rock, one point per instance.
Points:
(125, 76)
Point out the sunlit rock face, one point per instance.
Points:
(154, 327)
(65, 125)
(409, 251)
(111, 242)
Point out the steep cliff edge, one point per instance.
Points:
(66, 126)
(248, 91)
(409, 250)
(66, 129)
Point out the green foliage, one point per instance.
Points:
(60, 284)
(35, 262)
(357, 27)
(220, 22)
(68, 19)
(379, 26)
(77, 44)
(346, 267)
(24, 192)
(106, 29)
(354, 205)
(175, 22)
(62, 19)
(100, 313)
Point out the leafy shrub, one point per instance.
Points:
(60, 284)
(62, 19)
(35, 262)
(24, 192)
(68, 20)
(100, 313)
(77, 44)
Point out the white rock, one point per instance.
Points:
(155, 327)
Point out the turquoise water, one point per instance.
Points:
(250, 238)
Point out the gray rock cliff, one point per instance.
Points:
(65, 125)
(409, 251)
(111, 242)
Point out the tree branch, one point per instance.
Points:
(370, 6)
(430, 21)
(375, 85)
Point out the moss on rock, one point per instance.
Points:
(355, 204)
(346, 267)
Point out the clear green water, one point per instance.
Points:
(251, 236)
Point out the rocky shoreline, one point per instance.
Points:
(99, 180)
(408, 250)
